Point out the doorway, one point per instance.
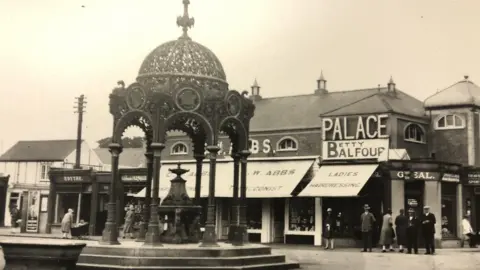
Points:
(85, 207)
(414, 194)
(278, 220)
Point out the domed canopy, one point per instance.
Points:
(463, 93)
(183, 59)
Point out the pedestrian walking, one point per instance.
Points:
(412, 232)
(129, 218)
(67, 223)
(328, 230)
(428, 230)
(367, 221)
(467, 233)
(401, 223)
(386, 233)
(14, 217)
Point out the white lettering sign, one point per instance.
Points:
(417, 175)
(344, 128)
(134, 178)
(255, 147)
(72, 178)
(358, 149)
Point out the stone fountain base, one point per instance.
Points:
(132, 255)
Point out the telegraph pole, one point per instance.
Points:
(80, 109)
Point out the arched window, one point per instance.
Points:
(414, 133)
(179, 148)
(450, 121)
(287, 144)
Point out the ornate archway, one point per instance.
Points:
(182, 86)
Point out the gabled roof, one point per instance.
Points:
(130, 157)
(462, 93)
(303, 111)
(48, 150)
(382, 101)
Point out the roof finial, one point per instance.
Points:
(465, 77)
(185, 21)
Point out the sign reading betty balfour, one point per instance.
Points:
(362, 137)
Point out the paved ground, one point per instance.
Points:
(313, 258)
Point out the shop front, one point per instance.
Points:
(471, 195)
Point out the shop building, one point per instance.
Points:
(27, 163)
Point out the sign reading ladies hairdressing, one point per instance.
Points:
(360, 137)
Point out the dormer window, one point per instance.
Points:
(287, 144)
(450, 121)
(414, 133)
(179, 148)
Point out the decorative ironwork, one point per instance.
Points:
(188, 99)
(185, 21)
(136, 98)
(233, 105)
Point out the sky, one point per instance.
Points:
(54, 50)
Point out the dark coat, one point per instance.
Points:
(428, 224)
(413, 225)
(329, 226)
(367, 221)
(401, 224)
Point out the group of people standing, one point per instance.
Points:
(406, 229)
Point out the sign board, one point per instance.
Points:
(133, 178)
(473, 179)
(255, 147)
(359, 149)
(417, 175)
(451, 177)
(73, 178)
(33, 211)
(355, 138)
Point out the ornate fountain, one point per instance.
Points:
(179, 213)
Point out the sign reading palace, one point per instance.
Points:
(362, 137)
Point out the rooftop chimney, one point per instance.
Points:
(255, 94)
(391, 86)
(321, 85)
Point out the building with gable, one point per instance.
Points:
(27, 164)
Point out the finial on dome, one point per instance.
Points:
(321, 78)
(185, 21)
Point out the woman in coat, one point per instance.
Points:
(386, 234)
(67, 223)
(129, 219)
(401, 224)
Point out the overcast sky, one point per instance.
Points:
(54, 50)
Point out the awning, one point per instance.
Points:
(265, 179)
(338, 180)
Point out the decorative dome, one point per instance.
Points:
(183, 58)
(463, 93)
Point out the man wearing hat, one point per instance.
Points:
(328, 230)
(367, 220)
(412, 232)
(428, 230)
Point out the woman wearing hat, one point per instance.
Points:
(328, 230)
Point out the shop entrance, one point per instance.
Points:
(414, 194)
(101, 213)
(278, 220)
(85, 207)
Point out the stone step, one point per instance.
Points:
(200, 252)
(180, 261)
(271, 266)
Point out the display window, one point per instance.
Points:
(66, 201)
(344, 213)
(302, 214)
(254, 214)
(449, 213)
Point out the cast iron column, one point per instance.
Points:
(210, 235)
(50, 204)
(148, 192)
(198, 176)
(243, 197)
(234, 234)
(110, 233)
(152, 237)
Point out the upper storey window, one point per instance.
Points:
(179, 148)
(450, 121)
(287, 144)
(414, 133)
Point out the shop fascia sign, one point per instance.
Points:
(415, 175)
(362, 137)
(473, 178)
(73, 178)
(133, 178)
(256, 146)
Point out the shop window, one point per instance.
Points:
(254, 214)
(287, 144)
(414, 133)
(45, 167)
(449, 213)
(450, 121)
(302, 214)
(345, 212)
(66, 201)
(179, 148)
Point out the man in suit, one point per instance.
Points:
(367, 220)
(412, 232)
(428, 230)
